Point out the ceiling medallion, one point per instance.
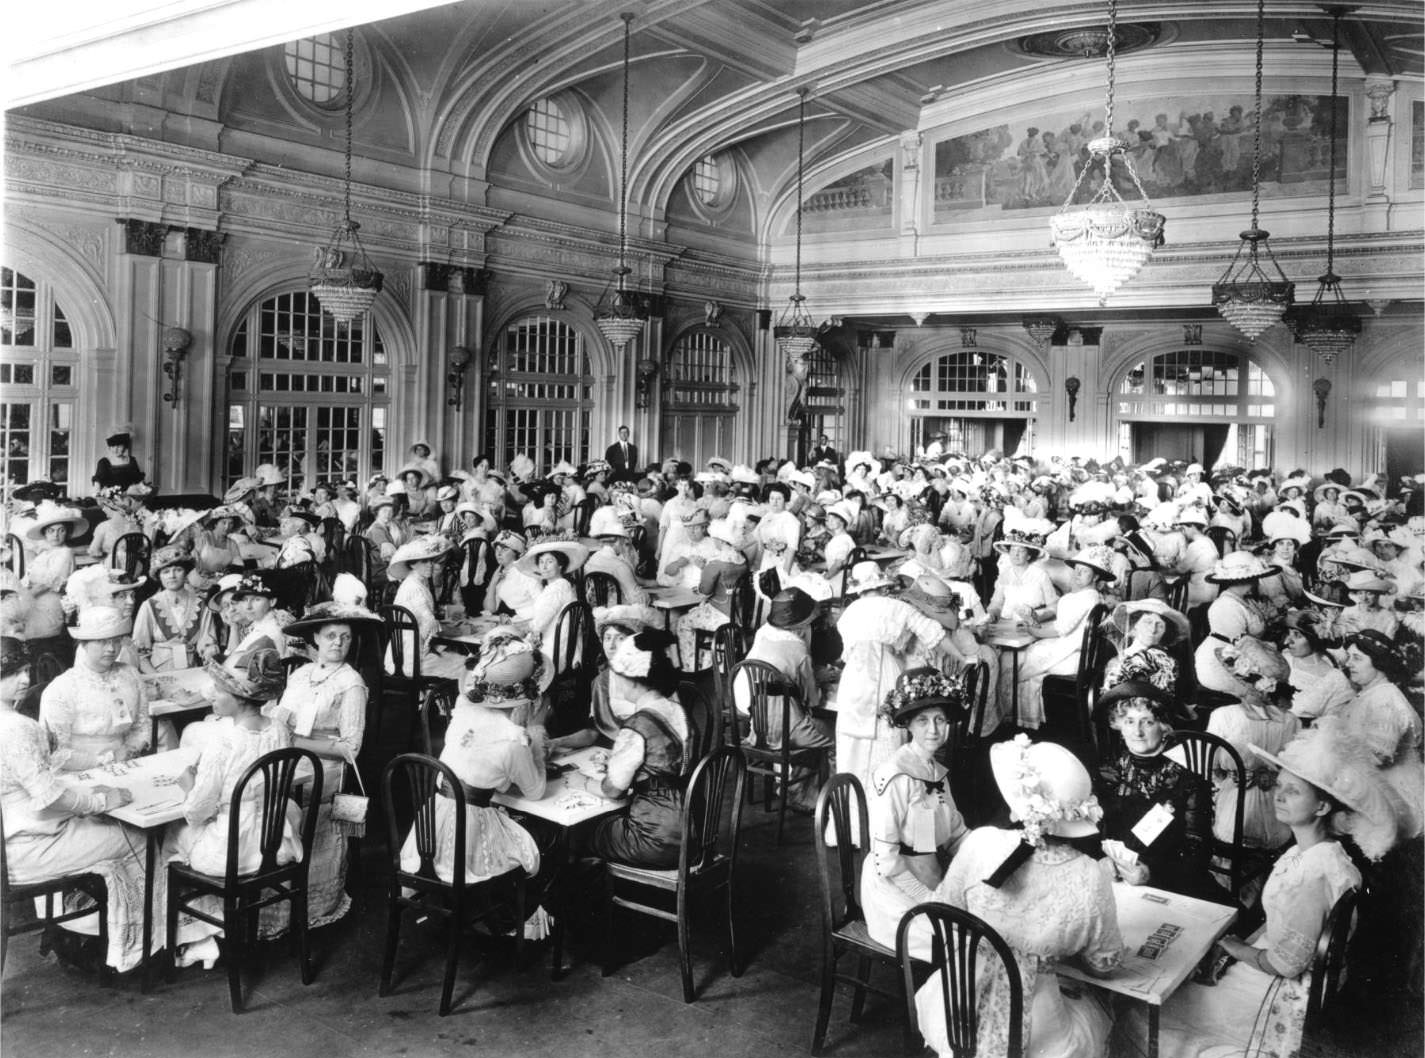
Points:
(1091, 42)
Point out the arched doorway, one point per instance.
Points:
(306, 393)
(540, 394)
(39, 369)
(1397, 409)
(699, 397)
(1201, 405)
(978, 400)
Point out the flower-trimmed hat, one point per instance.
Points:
(240, 488)
(1030, 533)
(257, 676)
(1279, 525)
(1047, 789)
(1368, 580)
(426, 548)
(331, 613)
(172, 555)
(1097, 557)
(1326, 756)
(628, 615)
(258, 582)
(1256, 665)
(509, 672)
(99, 622)
(1239, 567)
(697, 516)
(268, 474)
(866, 576)
(921, 689)
(563, 468)
(1161, 701)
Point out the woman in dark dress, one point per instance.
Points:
(1157, 815)
(650, 756)
(119, 467)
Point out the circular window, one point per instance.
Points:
(707, 182)
(554, 131)
(712, 184)
(316, 69)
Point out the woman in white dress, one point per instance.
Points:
(96, 713)
(414, 565)
(1046, 898)
(878, 634)
(55, 827)
(551, 561)
(1234, 613)
(242, 733)
(45, 574)
(1318, 687)
(495, 742)
(1382, 718)
(1023, 588)
(915, 826)
(1059, 640)
(1327, 787)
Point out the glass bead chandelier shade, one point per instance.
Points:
(343, 279)
(1249, 296)
(1327, 326)
(1106, 241)
(796, 331)
(619, 318)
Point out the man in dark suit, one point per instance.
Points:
(823, 451)
(622, 455)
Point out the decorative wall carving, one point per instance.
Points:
(143, 237)
(203, 246)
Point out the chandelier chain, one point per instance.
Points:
(1112, 53)
(1257, 115)
(801, 148)
(350, 65)
(623, 163)
(1331, 172)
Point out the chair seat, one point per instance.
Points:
(26, 890)
(646, 875)
(855, 935)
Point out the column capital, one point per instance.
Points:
(1379, 89)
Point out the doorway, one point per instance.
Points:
(1190, 442)
(973, 437)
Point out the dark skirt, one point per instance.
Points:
(649, 835)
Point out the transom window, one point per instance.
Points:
(306, 394)
(39, 371)
(550, 132)
(699, 373)
(1197, 383)
(824, 398)
(316, 67)
(986, 383)
(540, 394)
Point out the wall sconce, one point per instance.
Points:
(1071, 387)
(176, 343)
(1322, 388)
(460, 357)
(647, 369)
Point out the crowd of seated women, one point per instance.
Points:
(1279, 612)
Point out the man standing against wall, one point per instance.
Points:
(622, 455)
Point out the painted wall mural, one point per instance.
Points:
(1417, 144)
(863, 199)
(1180, 149)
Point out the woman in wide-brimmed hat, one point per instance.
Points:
(46, 571)
(718, 578)
(1050, 901)
(1023, 587)
(611, 696)
(166, 625)
(551, 561)
(414, 566)
(915, 825)
(1366, 588)
(495, 743)
(1235, 612)
(96, 712)
(1326, 788)
(1145, 628)
(879, 634)
(240, 692)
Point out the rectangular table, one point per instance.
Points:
(174, 693)
(570, 801)
(1167, 935)
(1006, 635)
(467, 633)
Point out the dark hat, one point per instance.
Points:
(791, 608)
(257, 676)
(121, 438)
(921, 689)
(1164, 705)
(331, 613)
(255, 583)
(1340, 477)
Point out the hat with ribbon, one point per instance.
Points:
(866, 576)
(627, 615)
(512, 540)
(1047, 789)
(1097, 557)
(575, 554)
(509, 672)
(1126, 614)
(257, 582)
(268, 474)
(1367, 580)
(99, 622)
(1239, 567)
(172, 555)
(791, 608)
(426, 548)
(331, 613)
(48, 514)
(257, 676)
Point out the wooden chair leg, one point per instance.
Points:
(685, 954)
(521, 913)
(452, 959)
(171, 918)
(828, 995)
(235, 931)
(734, 964)
(300, 911)
(858, 997)
(393, 933)
(786, 799)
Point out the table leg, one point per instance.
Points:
(150, 855)
(1015, 692)
(1152, 1031)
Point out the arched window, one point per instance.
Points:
(39, 371)
(1199, 404)
(540, 394)
(1396, 412)
(306, 393)
(699, 397)
(978, 400)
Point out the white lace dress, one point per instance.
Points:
(1249, 1012)
(1058, 905)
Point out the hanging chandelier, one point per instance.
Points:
(343, 280)
(1327, 326)
(1107, 240)
(796, 333)
(1248, 296)
(620, 320)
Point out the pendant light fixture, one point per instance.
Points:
(1328, 326)
(796, 333)
(1248, 296)
(619, 320)
(1106, 241)
(343, 279)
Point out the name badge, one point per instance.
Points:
(922, 827)
(1153, 823)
